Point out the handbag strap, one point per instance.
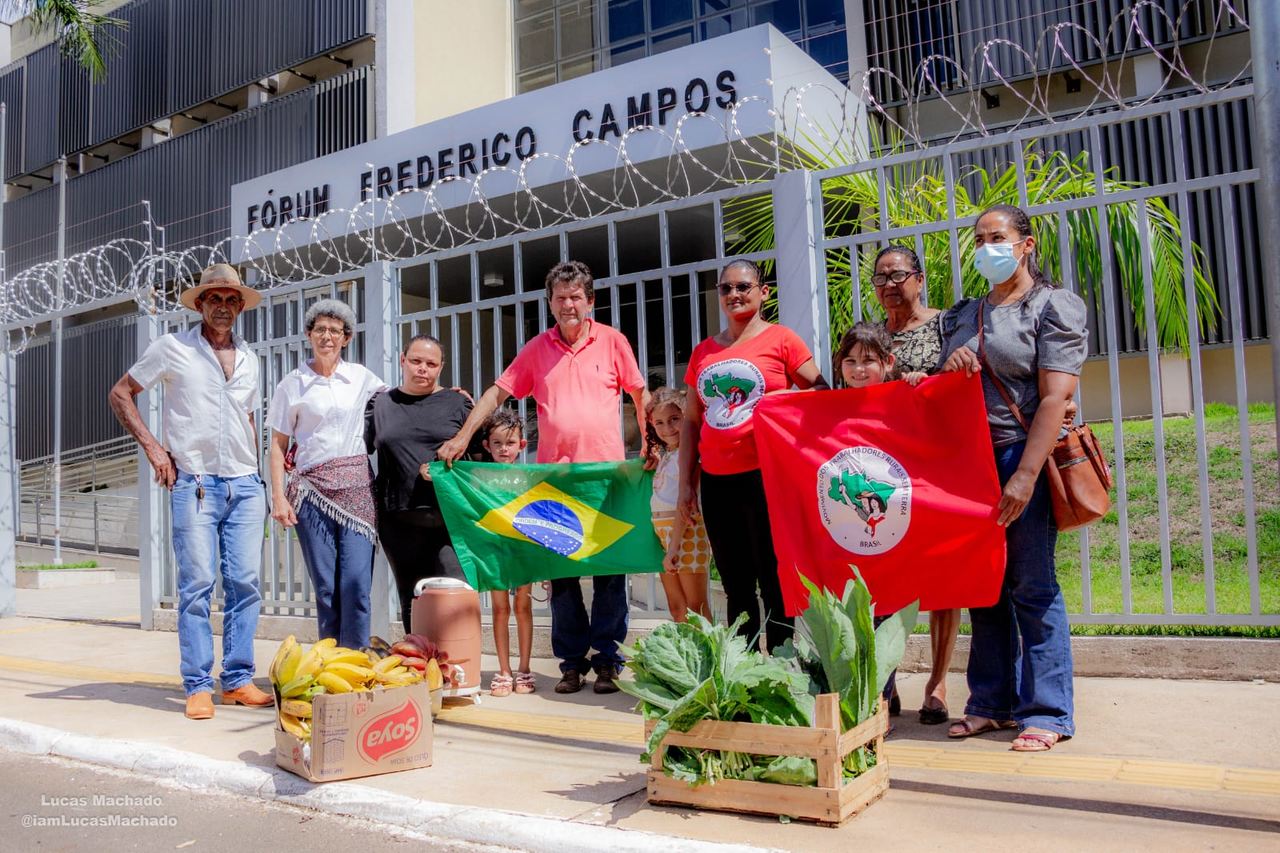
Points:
(995, 380)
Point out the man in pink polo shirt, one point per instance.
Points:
(576, 371)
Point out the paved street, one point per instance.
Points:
(43, 799)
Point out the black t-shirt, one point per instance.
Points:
(406, 430)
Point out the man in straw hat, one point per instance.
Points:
(209, 463)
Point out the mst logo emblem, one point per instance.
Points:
(864, 499)
(730, 390)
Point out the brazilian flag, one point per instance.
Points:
(517, 524)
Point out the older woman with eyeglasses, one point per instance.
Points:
(730, 372)
(915, 333)
(328, 495)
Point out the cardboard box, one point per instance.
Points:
(361, 734)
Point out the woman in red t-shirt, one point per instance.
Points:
(730, 372)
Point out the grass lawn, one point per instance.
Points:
(1186, 557)
(47, 567)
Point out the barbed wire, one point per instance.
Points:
(596, 177)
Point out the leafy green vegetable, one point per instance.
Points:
(841, 652)
(690, 671)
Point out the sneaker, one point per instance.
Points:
(605, 680)
(570, 682)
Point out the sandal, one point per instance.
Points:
(525, 682)
(932, 715)
(1035, 740)
(500, 685)
(970, 726)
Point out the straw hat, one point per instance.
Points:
(220, 276)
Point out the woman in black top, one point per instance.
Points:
(405, 427)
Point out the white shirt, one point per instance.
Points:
(206, 415)
(666, 483)
(323, 414)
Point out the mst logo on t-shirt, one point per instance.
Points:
(730, 390)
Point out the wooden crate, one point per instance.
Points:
(830, 803)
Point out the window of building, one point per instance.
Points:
(558, 40)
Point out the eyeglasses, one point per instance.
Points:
(741, 288)
(880, 279)
(326, 331)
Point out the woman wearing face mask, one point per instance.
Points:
(1027, 339)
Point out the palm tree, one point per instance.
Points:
(916, 194)
(83, 34)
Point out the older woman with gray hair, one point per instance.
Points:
(327, 494)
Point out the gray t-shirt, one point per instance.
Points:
(1045, 330)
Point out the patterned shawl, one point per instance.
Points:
(341, 488)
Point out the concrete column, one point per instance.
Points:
(802, 299)
(153, 535)
(1264, 38)
(381, 303)
(8, 492)
(855, 33)
(395, 89)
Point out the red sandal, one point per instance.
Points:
(1035, 741)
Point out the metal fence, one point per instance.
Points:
(274, 331)
(1187, 499)
(1193, 514)
(99, 497)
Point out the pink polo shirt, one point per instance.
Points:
(577, 392)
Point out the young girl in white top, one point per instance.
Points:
(503, 440)
(688, 550)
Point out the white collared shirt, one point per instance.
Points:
(207, 424)
(323, 414)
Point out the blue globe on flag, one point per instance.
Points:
(551, 524)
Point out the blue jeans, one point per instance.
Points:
(573, 635)
(340, 562)
(1020, 656)
(223, 530)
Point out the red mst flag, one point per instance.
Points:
(899, 481)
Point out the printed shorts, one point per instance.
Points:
(695, 549)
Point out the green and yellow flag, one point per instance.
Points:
(518, 524)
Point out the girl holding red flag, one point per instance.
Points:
(730, 372)
(1027, 338)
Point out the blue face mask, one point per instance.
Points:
(995, 261)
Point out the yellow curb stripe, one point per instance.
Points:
(1153, 774)
(77, 672)
(26, 629)
(545, 725)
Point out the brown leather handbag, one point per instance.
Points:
(1079, 477)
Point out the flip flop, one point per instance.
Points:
(1035, 741)
(970, 728)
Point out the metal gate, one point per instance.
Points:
(1192, 537)
(1182, 545)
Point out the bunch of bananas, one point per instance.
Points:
(299, 675)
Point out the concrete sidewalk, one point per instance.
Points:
(1184, 765)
